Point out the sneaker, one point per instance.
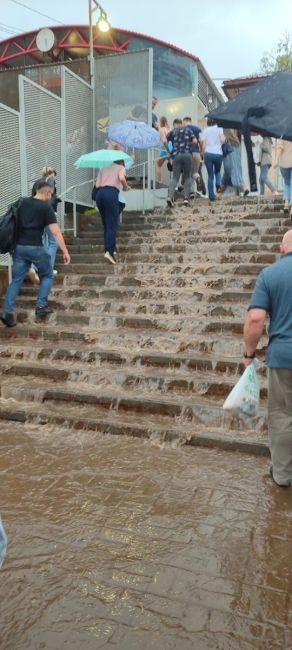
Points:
(43, 312)
(170, 203)
(186, 202)
(8, 320)
(33, 276)
(199, 183)
(55, 272)
(192, 195)
(109, 257)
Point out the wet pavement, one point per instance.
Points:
(128, 544)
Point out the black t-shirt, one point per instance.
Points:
(34, 216)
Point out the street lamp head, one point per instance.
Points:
(103, 24)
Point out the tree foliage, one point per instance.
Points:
(280, 58)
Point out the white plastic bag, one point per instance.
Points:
(244, 397)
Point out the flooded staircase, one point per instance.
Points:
(152, 346)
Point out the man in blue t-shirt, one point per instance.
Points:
(182, 140)
(272, 296)
(196, 153)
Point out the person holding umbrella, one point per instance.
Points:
(110, 181)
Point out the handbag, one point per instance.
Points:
(226, 148)
(93, 193)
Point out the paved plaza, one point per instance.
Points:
(120, 543)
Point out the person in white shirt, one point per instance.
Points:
(212, 138)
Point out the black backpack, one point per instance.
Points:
(9, 228)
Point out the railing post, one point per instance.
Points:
(74, 213)
(144, 183)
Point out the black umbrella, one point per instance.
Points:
(265, 107)
(269, 103)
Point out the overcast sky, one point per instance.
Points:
(229, 36)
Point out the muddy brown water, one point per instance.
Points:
(121, 543)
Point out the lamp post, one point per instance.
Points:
(102, 24)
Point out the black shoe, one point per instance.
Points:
(8, 320)
(246, 192)
(192, 195)
(186, 202)
(43, 312)
(170, 203)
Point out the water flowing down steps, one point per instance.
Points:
(152, 346)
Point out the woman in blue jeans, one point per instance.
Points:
(110, 181)
(212, 139)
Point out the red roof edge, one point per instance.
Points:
(116, 29)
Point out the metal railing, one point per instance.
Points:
(136, 171)
(6, 260)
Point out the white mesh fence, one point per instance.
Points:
(78, 98)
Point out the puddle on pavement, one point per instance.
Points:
(115, 542)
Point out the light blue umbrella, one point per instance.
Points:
(101, 158)
(134, 134)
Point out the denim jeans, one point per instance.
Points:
(264, 180)
(50, 244)
(107, 201)
(213, 162)
(182, 164)
(287, 176)
(23, 257)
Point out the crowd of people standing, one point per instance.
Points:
(186, 148)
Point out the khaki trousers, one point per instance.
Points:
(195, 169)
(280, 423)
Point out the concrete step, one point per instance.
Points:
(193, 409)
(143, 295)
(191, 308)
(177, 382)
(153, 345)
(161, 430)
(215, 342)
(99, 323)
(86, 353)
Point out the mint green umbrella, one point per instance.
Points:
(101, 158)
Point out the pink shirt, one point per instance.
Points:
(111, 176)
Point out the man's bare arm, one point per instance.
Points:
(55, 230)
(253, 330)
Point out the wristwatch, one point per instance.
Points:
(249, 356)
